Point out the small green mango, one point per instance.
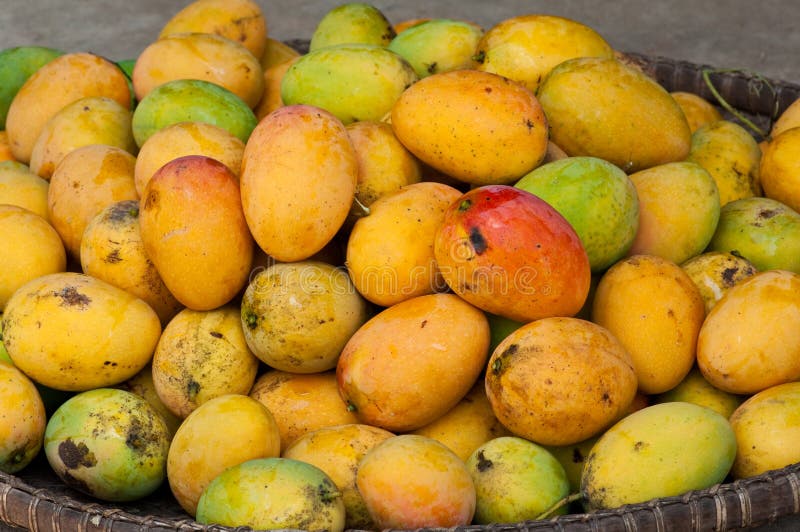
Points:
(16, 66)
(352, 23)
(192, 100)
(438, 45)
(351, 81)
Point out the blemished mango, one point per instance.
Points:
(715, 272)
(298, 180)
(601, 107)
(352, 23)
(662, 450)
(51, 324)
(438, 45)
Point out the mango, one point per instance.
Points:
(21, 187)
(275, 53)
(273, 493)
(679, 208)
(558, 381)
(351, 81)
(22, 422)
(694, 388)
(660, 451)
(438, 45)
(448, 119)
(390, 255)
(731, 155)
(337, 451)
(108, 443)
(298, 181)
(597, 199)
(716, 272)
(601, 107)
(32, 248)
(51, 324)
(515, 480)
(112, 250)
(698, 111)
(767, 305)
(202, 56)
(412, 481)
(88, 180)
(240, 20)
(788, 119)
(5, 148)
(779, 168)
(200, 451)
(297, 317)
(762, 230)
(443, 342)
(17, 64)
(652, 306)
(526, 48)
(203, 259)
(271, 99)
(191, 100)
(352, 23)
(201, 355)
(63, 80)
(764, 427)
(142, 385)
(90, 120)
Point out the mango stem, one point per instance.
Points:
(559, 504)
(728, 107)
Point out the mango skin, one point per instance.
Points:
(449, 119)
(63, 80)
(352, 23)
(764, 231)
(660, 451)
(22, 421)
(108, 443)
(191, 100)
(352, 81)
(438, 45)
(768, 306)
(21, 187)
(273, 493)
(716, 272)
(431, 333)
(601, 107)
(17, 64)
(779, 168)
(698, 111)
(515, 479)
(789, 118)
(597, 198)
(51, 324)
(696, 389)
(298, 180)
(204, 260)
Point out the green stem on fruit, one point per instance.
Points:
(559, 504)
(728, 107)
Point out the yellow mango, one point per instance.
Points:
(271, 99)
(22, 421)
(715, 272)
(789, 118)
(21, 187)
(779, 169)
(698, 111)
(276, 53)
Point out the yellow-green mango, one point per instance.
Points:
(601, 107)
(352, 23)
(352, 81)
(437, 45)
(694, 388)
(17, 64)
(659, 451)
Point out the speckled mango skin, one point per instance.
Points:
(352, 23)
(597, 198)
(413, 481)
(558, 381)
(438, 45)
(715, 272)
(443, 341)
(22, 419)
(731, 155)
(108, 443)
(515, 479)
(477, 127)
(660, 451)
(72, 332)
(767, 305)
(601, 107)
(337, 451)
(351, 81)
(273, 493)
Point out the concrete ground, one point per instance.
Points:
(758, 36)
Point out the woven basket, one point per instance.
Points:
(37, 500)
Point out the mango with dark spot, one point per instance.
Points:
(659, 451)
(716, 272)
(273, 493)
(352, 23)
(438, 45)
(108, 443)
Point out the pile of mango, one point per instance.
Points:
(424, 274)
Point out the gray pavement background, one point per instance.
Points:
(760, 36)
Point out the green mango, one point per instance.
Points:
(16, 66)
(438, 45)
(192, 100)
(352, 23)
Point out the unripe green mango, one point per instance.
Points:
(352, 23)
(351, 81)
(438, 45)
(16, 66)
